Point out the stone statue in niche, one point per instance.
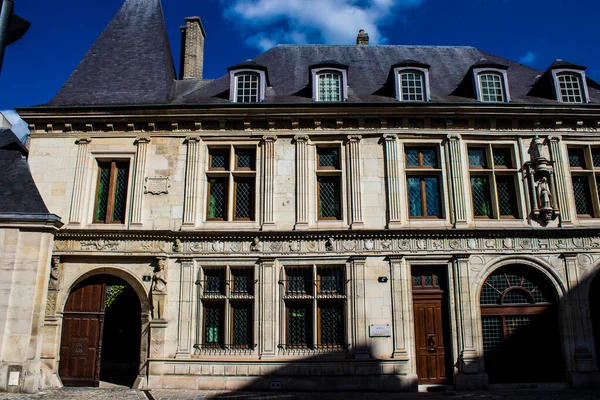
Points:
(55, 274)
(159, 290)
(545, 196)
(256, 245)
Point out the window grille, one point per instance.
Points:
(585, 177)
(570, 88)
(412, 86)
(423, 177)
(493, 178)
(111, 192)
(329, 182)
(491, 87)
(247, 88)
(329, 86)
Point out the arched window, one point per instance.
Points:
(412, 86)
(569, 88)
(491, 87)
(247, 87)
(329, 86)
(521, 340)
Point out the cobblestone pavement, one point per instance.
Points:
(164, 394)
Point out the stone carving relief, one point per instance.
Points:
(99, 244)
(386, 244)
(348, 245)
(157, 342)
(295, 245)
(330, 244)
(540, 175)
(157, 185)
(55, 274)
(196, 247)
(256, 245)
(236, 247)
(51, 299)
(177, 246)
(369, 244)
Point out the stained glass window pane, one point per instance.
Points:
(245, 159)
(596, 156)
(506, 195)
(331, 324)
(299, 324)
(103, 185)
(492, 333)
(329, 197)
(576, 157)
(219, 158)
(477, 157)
(120, 199)
(244, 198)
(328, 157)
(213, 281)
(299, 280)
(217, 201)
(428, 280)
(241, 331)
(429, 158)
(432, 196)
(581, 192)
(213, 323)
(330, 280)
(415, 204)
(417, 280)
(329, 86)
(480, 187)
(502, 157)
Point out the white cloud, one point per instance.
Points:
(317, 21)
(19, 127)
(528, 58)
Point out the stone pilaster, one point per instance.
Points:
(400, 277)
(359, 307)
(191, 181)
(560, 181)
(186, 308)
(392, 167)
(458, 214)
(138, 180)
(576, 312)
(302, 192)
(354, 181)
(268, 182)
(78, 203)
(267, 282)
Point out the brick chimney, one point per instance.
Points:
(363, 38)
(192, 49)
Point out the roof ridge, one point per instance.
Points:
(371, 45)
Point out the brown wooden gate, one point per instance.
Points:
(431, 327)
(81, 342)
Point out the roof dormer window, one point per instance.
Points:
(490, 86)
(329, 86)
(569, 88)
(329, 81)
(247, 82)
(411, 81)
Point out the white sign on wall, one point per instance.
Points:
(380, 330)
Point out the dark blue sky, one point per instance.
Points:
(534, 31)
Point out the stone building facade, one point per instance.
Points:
(314, 221)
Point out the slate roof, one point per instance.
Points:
(130, 63)
(19, 193)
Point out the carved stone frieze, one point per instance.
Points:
(99, 244)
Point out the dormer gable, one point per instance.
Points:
(329, 81)
(248, 82)
(569, 82)
(411, 80)
(490, 81)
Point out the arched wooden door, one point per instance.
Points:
(521, 338)
(101, 333)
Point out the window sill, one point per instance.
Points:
(331, 224)
(305, 351)
(229, 225)
(199, 350)
(107, 227)
(495, 223)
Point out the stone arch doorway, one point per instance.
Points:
(101, 333)
(595, 314)
(521, 336)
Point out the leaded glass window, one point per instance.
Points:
(329, 86)
(111, 192)
(570, 88)
(585, 177)
(315, 295)
(423, 177)
(493, 179)
(329, 182)
(231, 178)
(491, 87)
(227, 299)
(247, 88)
(412, 86)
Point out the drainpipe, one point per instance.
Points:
(6, 12)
